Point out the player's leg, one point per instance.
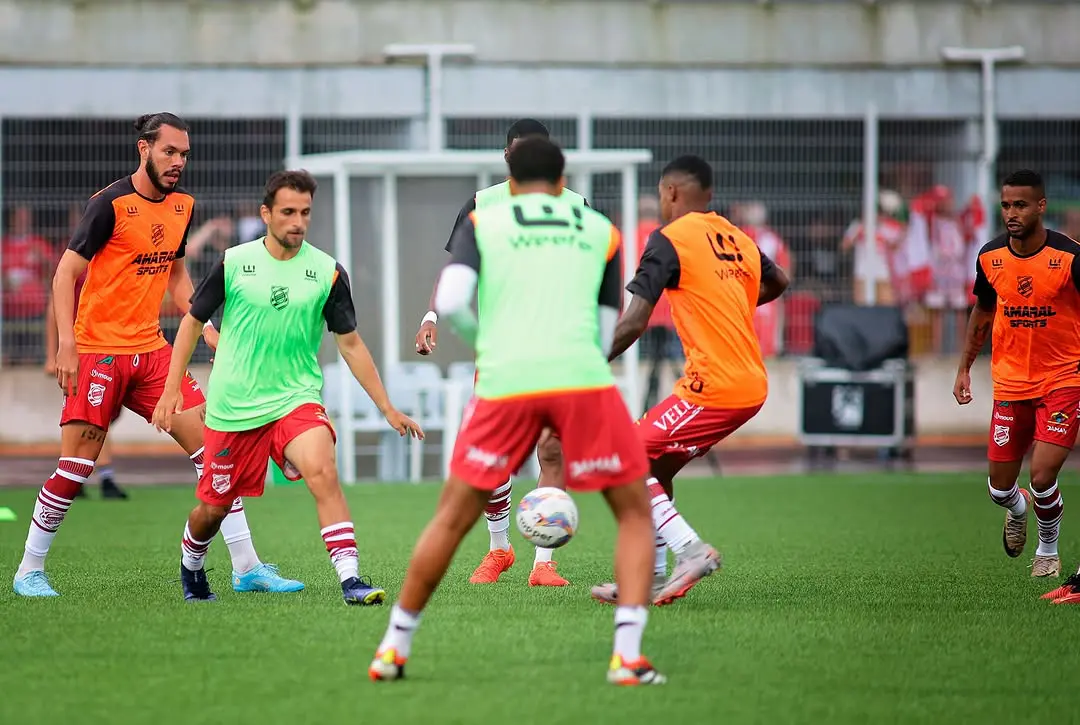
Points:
(500, 556)
(494, 440)
(188, 431)
(1012, 426)
(105, 472)
(549, 454)
(460, 505)
(239, 471)
(84, 423)
(605, 454)
(303, 446)
(1056, 421)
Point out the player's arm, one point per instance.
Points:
(50, 337)
(340, 315)
(981, 320)
(181, 288)
(609, 301)
(427, 336)
(658, 270)
(457, 283)
(774, 281)
(201, 306)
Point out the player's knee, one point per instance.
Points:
(1042, 477)
(323, 479)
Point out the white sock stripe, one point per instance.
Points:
(339, 537)
(193, 540)
(651, 480)
(53, 500)
(197, 453)
(1044, 506)
(79, 461)
(71, 476)
(1052, 522)
(1002, 495)
(343, 526)
(1044, 494)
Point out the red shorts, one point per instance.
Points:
(683, 430)
(1016, 423)
(235, 461)
(107, 383)
(600, 448)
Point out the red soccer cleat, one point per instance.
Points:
(544, 575)
(495, 563)
(1067, 593)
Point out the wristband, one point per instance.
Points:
(430, 317)
(208, 323)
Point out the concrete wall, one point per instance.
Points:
(31, 405)
(501, 91)
(628, 32)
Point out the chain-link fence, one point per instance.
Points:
(796, 185)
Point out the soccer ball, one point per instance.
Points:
(547, 517)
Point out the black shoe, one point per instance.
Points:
(195, 584)
(109, 489)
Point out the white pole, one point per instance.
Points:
(294, 132)
(343, 252)
(583, 182)
(390, 296)
(630, 358)
(870, 199)
(988, 58)
(435, 113)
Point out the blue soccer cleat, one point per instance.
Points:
(359, 590)
(196, 586)
(264, 578)
(34, 584)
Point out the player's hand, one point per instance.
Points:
(426, 338)
(404, 425)
(962, 388)
(211, 336)
(171, 403)
(50, 365)
(67, 369)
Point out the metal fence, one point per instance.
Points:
(797, 185)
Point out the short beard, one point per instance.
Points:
(155, 177)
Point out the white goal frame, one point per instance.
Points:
(485, 166)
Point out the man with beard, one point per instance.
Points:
(111, 352)
(1027, 289)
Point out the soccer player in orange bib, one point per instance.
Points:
(1027, 287)
(715, 277)
(130, 244)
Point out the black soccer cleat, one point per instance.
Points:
(109, 489)
(195, 584)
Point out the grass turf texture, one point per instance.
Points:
(883, 598)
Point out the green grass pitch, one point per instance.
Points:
(882, 598)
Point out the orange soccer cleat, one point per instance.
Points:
(544, 575)
(495, 563)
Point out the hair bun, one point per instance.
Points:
(141, 121)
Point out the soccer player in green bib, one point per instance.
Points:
(265, 398)
(500, 556)
(546, 264)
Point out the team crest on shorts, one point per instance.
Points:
(279, 297)
(95, 394)
(220, 482)
(1001, 434)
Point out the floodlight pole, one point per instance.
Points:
(988, 58)
(434, 53)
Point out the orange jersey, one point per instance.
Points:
(1036, 339)
(711, 272)
(131, 242)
